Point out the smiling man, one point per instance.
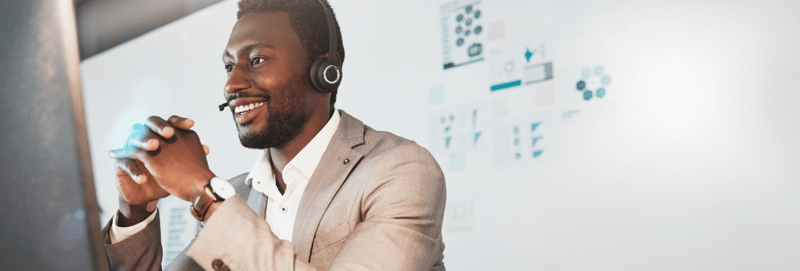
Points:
(328, 192)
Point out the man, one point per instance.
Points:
(328, 193)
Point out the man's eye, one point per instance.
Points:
(256, 60)
(229, 67)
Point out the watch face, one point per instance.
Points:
(222, 188)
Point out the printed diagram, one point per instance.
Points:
(180, 227)
(593, 83)
(520, 64)
(459, 129)
(527, 140)
(462, 33)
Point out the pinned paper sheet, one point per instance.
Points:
(499, 107)
(532, 138)
(436, 95)
(545, 95)
(178, 227)
(457, 161)
(497, 30)
(521, 63)
(459, 128)
(462, 32)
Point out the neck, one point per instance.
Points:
(283, 155)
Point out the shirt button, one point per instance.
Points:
(346, 161)
(284, 209)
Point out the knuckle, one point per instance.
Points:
(153, 118)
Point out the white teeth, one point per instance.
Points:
(244, 108)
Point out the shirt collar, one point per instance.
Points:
(308, 158)
(262, 177)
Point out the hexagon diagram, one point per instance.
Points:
(593, 83)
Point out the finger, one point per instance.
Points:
(139, 136)
(151, 206)
(205, 149)
(141, 170)
(181, 122)
(142, 137)
(133, 170)
(128, 152)
(160, 126)
(143, 142)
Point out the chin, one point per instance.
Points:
(264, 139)
(280, 128)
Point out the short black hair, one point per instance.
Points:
(308, 21)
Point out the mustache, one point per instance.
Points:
(234, 96)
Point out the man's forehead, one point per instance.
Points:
(260, 28)
(261, 24)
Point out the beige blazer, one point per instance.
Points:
(375, 202)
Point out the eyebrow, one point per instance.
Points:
(249, 47)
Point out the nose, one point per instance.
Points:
(237, 81)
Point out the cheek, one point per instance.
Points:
(283, 78)
(302, 95)
(273, 82)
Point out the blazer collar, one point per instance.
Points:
(350, 132)
(337, 162)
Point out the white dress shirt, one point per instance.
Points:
(281, 208)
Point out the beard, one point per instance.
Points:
(285, 121)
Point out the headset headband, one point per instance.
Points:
(334, 38)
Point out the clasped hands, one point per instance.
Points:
(159, 158)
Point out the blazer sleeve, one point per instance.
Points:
(141, 251)
(402, 206)
(236, 238)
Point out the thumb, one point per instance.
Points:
(129, 167)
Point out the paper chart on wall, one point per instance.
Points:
(459, 128)
(586, 81)
(521, 63)
(179, 227)
(462, 33)
(528, 139)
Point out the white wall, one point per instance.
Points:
(688, 163)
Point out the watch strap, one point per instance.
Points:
(200, 206)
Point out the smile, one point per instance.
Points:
(241, 109)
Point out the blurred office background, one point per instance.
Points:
(574, 135)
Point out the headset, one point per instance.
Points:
(325, 73)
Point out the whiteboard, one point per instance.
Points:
(686, 160)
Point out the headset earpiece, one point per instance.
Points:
(325, 75)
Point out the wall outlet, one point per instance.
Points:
(460, 216)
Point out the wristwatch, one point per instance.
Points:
(217, 189)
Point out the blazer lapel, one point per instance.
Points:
(257, 200)
(336, 164)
